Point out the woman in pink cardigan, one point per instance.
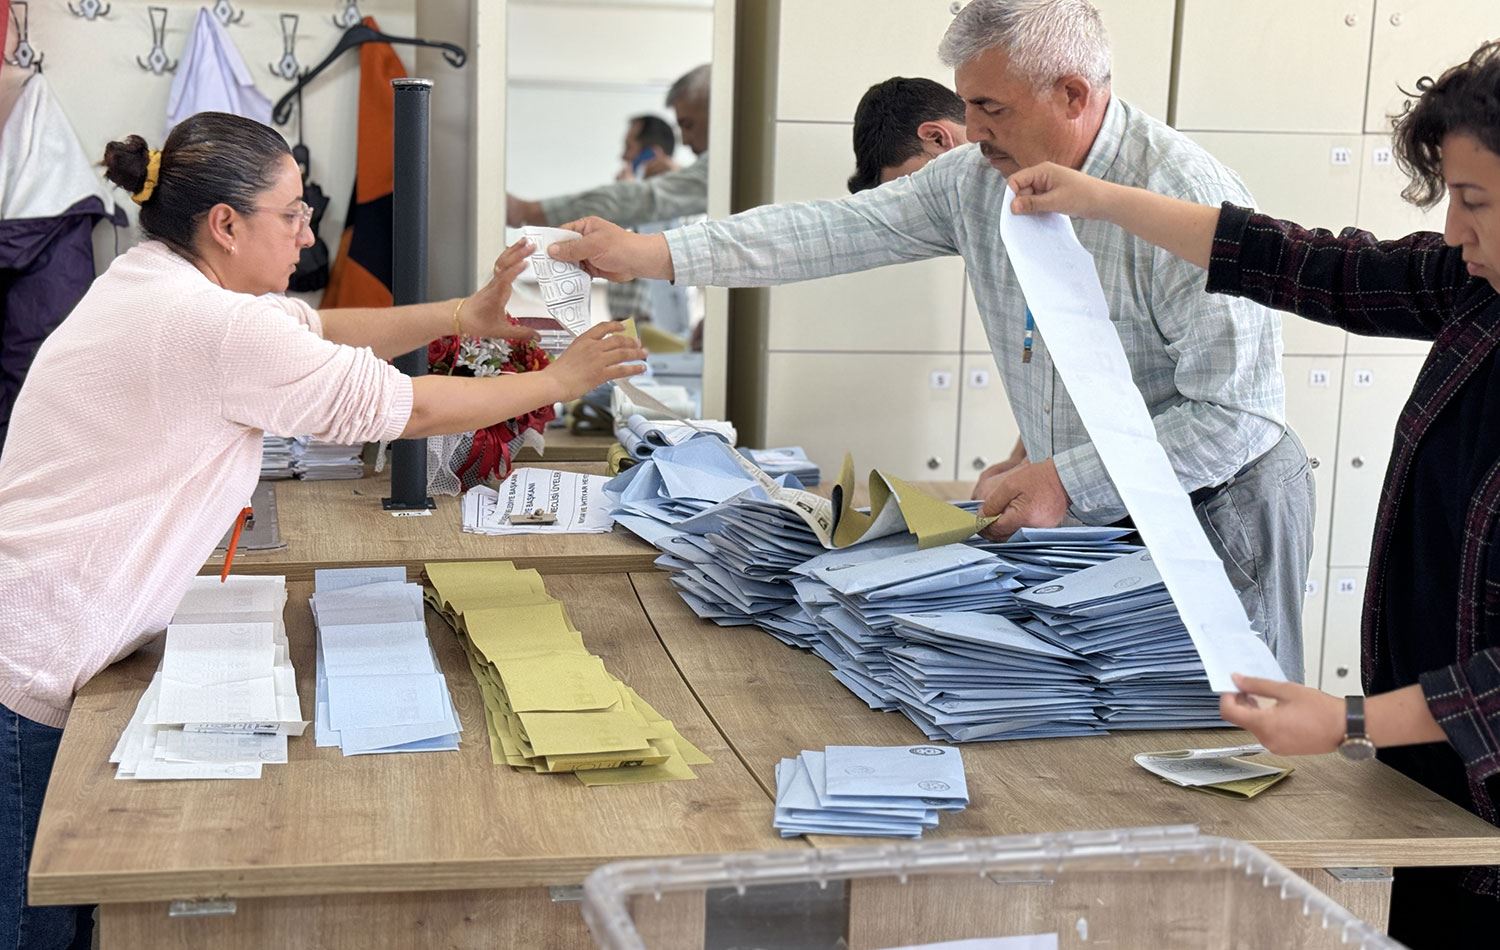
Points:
(136, 438)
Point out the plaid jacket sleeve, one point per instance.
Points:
(1404, 288)
(1465, 700)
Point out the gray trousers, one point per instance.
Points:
(1261, 524)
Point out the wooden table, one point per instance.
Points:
(341, 523)
(771, 701)
(566, 446)
(382, 851)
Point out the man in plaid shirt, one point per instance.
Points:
(1034, 77)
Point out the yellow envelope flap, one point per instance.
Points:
(582, 733)
(557, 682)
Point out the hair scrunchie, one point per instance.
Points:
(153, 172)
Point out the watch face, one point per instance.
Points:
(1357, 749)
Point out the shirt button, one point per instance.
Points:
(1046, 410)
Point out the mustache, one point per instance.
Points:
(991, 151)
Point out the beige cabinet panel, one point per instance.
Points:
(1416, 38)
(1314, 603)
(1375, 389)
(1140, 42)
(976, 340)
(831, 51)
(1314, 385)
(1236, 70)
(895, 412)
(1382, 210)
(914, 307)
(1312, 179)
(1341, 643)
(987, 429)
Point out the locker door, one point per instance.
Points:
(1140, 42)
(1314, 385)
(987, 429)
(1346, 598)
(1375, 389)
(1234, 72)
(869, 43)
(1312, 179)
(1416, 38)
(895, 412)
(1313, 607)
(914, 307)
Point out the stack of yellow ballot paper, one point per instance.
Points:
(550, 704)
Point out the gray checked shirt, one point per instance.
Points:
(1208, 366)
(678, 194)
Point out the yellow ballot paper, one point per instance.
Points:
(549, 704)
(897, 506)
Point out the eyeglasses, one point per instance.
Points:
(298, 217)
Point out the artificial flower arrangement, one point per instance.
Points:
(487, 453)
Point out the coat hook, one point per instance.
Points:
(156, 61)
(348, 15)
(25, 56)
(287, 67)
(90, 9)
(224, 12)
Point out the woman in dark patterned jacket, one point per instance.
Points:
(1431, 650)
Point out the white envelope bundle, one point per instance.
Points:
(876, 791)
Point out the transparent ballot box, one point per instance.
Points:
(1147, 887)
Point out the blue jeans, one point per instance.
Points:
(27, 749)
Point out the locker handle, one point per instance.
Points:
(979, 463)
(934, 462)
(1351, 20)
(1312, 461)
(1358, 461)
(1342, 671)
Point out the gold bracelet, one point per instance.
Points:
(458, 329)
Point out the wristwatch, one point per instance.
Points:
(1356, 745)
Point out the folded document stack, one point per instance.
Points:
(550, 705)
(871, 791)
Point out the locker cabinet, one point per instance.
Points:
(1416, 38)
(1375, 389)
(895, 412)
(1346, 598)
(1273, 65)
(987, 430)
(1314, 386)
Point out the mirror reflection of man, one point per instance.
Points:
(673, 194)
(649, 146)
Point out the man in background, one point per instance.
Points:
(900, 125)
(673, 194)
(649, 146)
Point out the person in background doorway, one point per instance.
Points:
(674, 194)
(649, 146)
(1431, 650)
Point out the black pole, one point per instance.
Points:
(409, 271)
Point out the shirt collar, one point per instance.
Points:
(1107, 143)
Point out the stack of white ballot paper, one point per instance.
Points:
(641, 436)
(379, 686)
(320, 461)
(224, 700)
(539, 501)
(276, 459)
(877, 791)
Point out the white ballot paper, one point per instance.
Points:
(565, 287)
(1062, 288)
(1190, 767)
(575, 502)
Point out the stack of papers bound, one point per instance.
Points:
(225, 699)
(379, 686)
(573, 503)
(318, 461)
(550, 705)
(876, 791)
(276, 460)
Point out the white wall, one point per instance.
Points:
(578, 70)
(91, 68)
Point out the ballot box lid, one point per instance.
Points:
(1161, 887)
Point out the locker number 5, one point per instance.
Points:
(941, 379)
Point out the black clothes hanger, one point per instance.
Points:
(358, 36)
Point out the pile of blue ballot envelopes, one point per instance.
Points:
(379, 686)
(877, 791)
(1055, 632)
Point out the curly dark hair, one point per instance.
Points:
(1464, 99)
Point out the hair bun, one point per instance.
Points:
(125, 163)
